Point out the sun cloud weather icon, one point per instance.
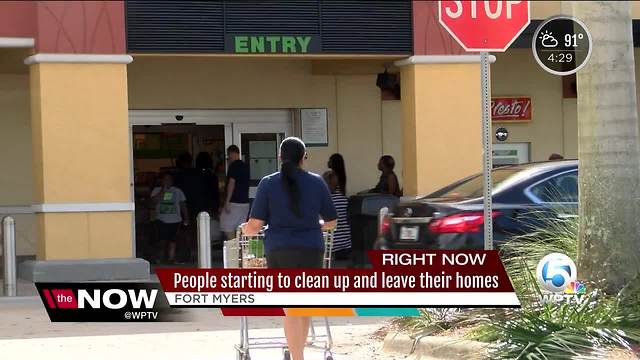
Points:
(548, 40)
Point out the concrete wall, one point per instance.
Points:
(392, 133)
(554, 127)
(353, 101)
(441, 113)
(570, 131)
(15, 140)
(516, 73)
(15, 162)
(79, 120)
(543, 9)
(359, 129)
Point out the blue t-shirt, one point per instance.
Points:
(286, 230)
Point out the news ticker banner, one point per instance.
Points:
(398, 284)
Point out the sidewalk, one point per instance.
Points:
(23, 288)
(27, 333)
(214, 345)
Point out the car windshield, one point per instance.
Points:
(472, 187)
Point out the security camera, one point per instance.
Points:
(179, 117)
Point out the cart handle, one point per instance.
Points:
(264, 228)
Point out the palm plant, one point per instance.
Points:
(565, 331)
(585, 329)
(521, 254)
(573, 330)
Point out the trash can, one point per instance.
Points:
(362, 211)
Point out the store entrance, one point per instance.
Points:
(172, 148)
(159, 137)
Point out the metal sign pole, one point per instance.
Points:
(487, 157)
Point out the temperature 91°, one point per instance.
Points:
(562, 45)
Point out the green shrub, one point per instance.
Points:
(575, 330)
(521, 254)
(584, 330)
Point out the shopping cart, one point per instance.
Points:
(248, 252)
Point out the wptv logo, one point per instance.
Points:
(104, 301)
(557, 274)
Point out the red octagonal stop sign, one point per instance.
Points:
(484, 25)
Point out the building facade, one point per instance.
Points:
(96, 94)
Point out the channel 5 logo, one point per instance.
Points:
(555, 272)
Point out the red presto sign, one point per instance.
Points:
(511, 109)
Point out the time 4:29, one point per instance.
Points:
(560, 57)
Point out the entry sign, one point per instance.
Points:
(484, 25)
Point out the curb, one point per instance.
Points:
(433, 347)
(20, 300)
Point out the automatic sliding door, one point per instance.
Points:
(259, 149)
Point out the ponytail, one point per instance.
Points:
(288, 170)
(291, 153)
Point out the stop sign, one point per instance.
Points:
(484, 25)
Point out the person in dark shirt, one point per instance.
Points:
(388, 183)
(184, 162)
(205, 196)
(336, 163)
(236, 205)
(291, 202)
(200, 187)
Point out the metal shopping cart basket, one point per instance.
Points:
(248, 252)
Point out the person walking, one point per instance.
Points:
(205, 187)
(342, 235)
(236, 205)
(171, 212)
(200, 187)
(291, 202)
(184, 164)
(388, 183)
(336, 163)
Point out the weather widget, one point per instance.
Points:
(562, 45)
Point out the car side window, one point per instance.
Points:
(561, 188)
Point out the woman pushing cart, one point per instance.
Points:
(250, 255)
(290, 202)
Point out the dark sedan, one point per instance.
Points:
(524, 197)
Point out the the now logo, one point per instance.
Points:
(100, 298)
(104, 301)
(117, 298)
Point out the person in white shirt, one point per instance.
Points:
(171, 212)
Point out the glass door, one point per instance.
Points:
(258, 145)
(510, 153)
(260, 152)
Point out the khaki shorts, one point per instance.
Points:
(237, 214)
